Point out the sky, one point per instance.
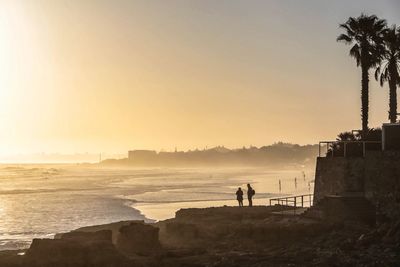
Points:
(108, 76)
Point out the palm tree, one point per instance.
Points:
(364, 33)
(388, 71)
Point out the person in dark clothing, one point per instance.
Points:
(239, 196)
(250, 194)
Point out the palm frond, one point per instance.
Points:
(377, 72)
(389, 52)
(366, 32)
(344, 38)
(349, 30)
(355, 53)
(382, 80)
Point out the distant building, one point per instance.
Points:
(141, 155)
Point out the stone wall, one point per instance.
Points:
(376, 176)
(338, 175)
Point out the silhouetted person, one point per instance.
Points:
(239, 196)
(250, 194)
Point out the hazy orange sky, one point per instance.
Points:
(108, 76)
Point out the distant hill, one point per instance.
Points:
(280, 155)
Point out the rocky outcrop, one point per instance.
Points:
(113, 227)
(75, 249)
(222, 237)
(89, 237)
(138, 239)
(95, 249)
(11, 258)
(233, 214)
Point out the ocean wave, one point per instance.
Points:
(25, 170)
(26, 233)
(129, 202)
(39, 191)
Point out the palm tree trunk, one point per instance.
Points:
(392, 100)
(364, 99)
(392, 92)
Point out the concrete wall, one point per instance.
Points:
(377, 176)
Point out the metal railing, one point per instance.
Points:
(301, 201)
(333, 147)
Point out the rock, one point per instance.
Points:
(361, 238)
(138, 239)
(103, 235)
(226, 213)
(78, 249)
(184, 230)
(211, 240)
(393, 234)
(10, 258)
(347, 244)
(114, 227)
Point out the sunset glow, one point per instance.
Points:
(98, 76)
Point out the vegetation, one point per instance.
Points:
(354, 148)
(388, 71)
(365, 34)
(374, 45)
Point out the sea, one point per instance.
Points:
(38, 201)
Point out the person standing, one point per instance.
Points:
(250, 194)
(239, 196)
